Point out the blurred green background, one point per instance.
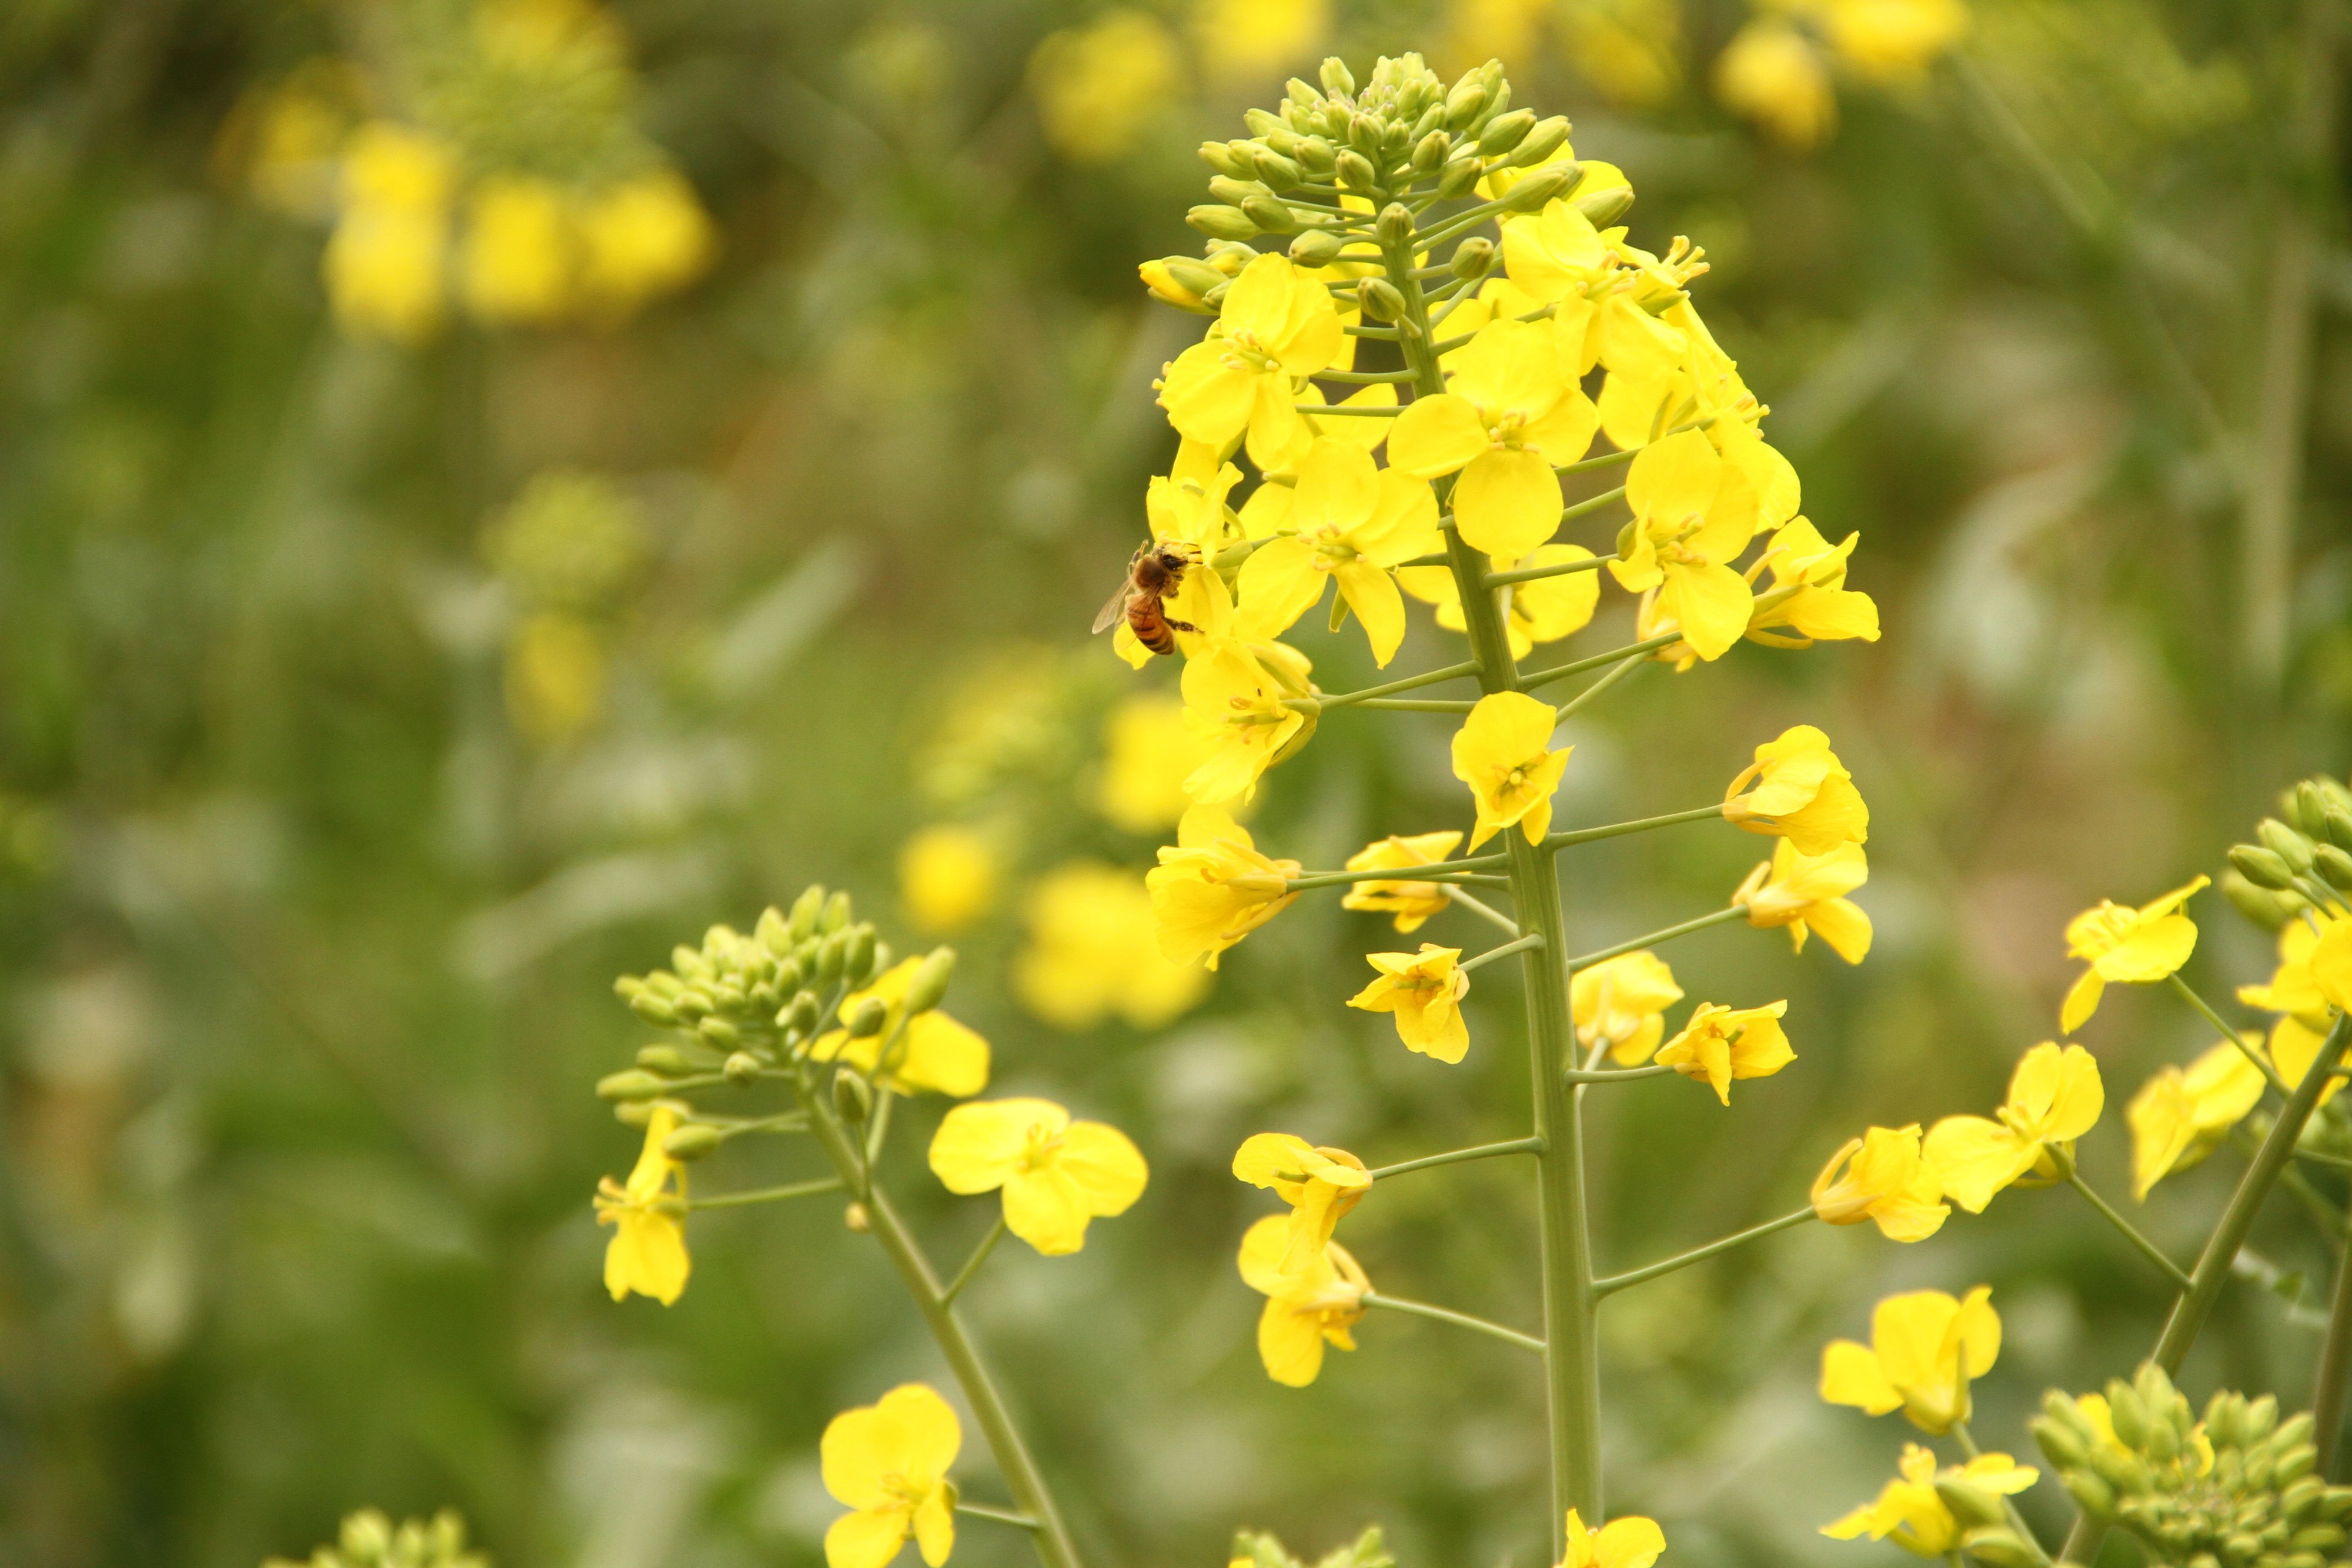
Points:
(374, 688)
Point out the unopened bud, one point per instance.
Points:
(1529, 194)
(931, 981)
(1506, 132)
(799, 1015)
(834, 915)
(1337, 81)
(2306, 808)
(2000, 1548)
(1315, 247)
(1278, 172)
(2262, 867)
(1221, 222)
(2333, 866)
(692, 1141)
(653, 1010)
(2129, 1413)
(868, 1018)
(773, 931)
(1270, 214)
(1474, 258)
(1261, 122)
(1602, 208)
(1463, 104)
(1969, 1503)
(1315, 155)
(717, 1031)
(829, 956)
(629, 1083)
(665, 1059)
(856, 1218)
(1394, 225)
(1234, 193)
(2339, 828)
(743, 1068)
(1364, 133)
(1356, 173)
(2268, 910)
(2285, 842)
(1297, 91)
(2092, 1494)
(857, 965)
(2067, 1450)
(1395, 140)
(852, 1100)
(805, 909)
(1433, 118)
(1547, 138)
(1429, 153)
(1461, 172)
(1217, 155)
(1379, 298)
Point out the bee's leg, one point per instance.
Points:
(1181, 626)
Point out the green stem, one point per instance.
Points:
(1456, 1156)
(1639, 825)
(1568, 709)
(2252, 1051)
(1487, 912)
(1531, 573)
(1331, 410)
(1528, 683)
(2131, 1233)
(1736, 912)
(2335, 1373)
(1532, 940)
(1419, 705)
(1426, 678)
(1587, 508)
(1001, 1515)
(766, 1194)
(971, 1264)
(1442, 871)
(1613, 1284)
(1459, 1320)
(1606, 460)
(1616, 1074)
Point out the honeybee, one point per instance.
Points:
(1157, 570)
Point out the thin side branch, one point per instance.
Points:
(1611, 1284)
(1459, 1320)
(1456, 1156)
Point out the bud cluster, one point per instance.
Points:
(369, 1539)
(2235, 1490)
(2300, 862)
(1261, 1548)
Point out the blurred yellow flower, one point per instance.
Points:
(1304, 1311)
(1058, 1175)
(1774, 74)
(1501, 752)
(2293, 988)
(1277, 326)
(383, 264)
(1424, 991)
(554, 677)
(1627, 48)
(647, 1252)
(1508, 417)
(1883, 1176)
(516, 264)
(1719, 1044)
(1347, 522)
(1148, 753)
(928, 1053)
(1910, 1509)
(948, 877)
(288, 135)
(1925, 1348)
(1891, 40)
(1412, 903)
(642, 237)
(888, 1461)
(1098, 87)
(2179, 1117)
(1621, 1003)
(1798, 788)
(1093, 953)
(1238, 709)
(1807, 894)
(1321, 1185)
(1692, 514)
(1631, 1541)
(1214, 888)
(2125, 945)
(1821, 609)
(2054, 1097)
(1242, 39)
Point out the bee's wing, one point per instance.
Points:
(1115, 609)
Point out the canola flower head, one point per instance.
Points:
(1503, 752)
(2127, 945)
(1423, 992)
(1321, 1185)
(1237, 699)
(1628, 1541)
(1798, 789)
(1806, 894)
(1883, 1176)
(1544, 609)
(1925, 1349)
(1306, 1310)
(888, 1463)
(1621, 1003)
(647, 1252)
(2054, 1097)
(1911, 1511)
(1213, 887)
(1719, 1044)
(1412, 903)
(1057, 1175)
(369, 1538)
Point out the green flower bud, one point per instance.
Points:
(1217, 155)
(2285, 842)
(1337, 81)
(2262, 867)
(630, 1083)
(1463, 104)
(1364, 133)
(1506, 132)
(1969, 1503)
(693, 1141)
(852, 1100)
(718, 1032)
(799, 1015)
(1298, 92)
(2261, 1416)
(1379, 298)
(858, 964)
(1602, 208)
(743, 1068)
(2000, 1548)
(1429, 153)
(2307, 807)
(1530, 194)
(2302, 1560)
(773, 931)
(1395, 140)
(1431, 120)
(1315, 247)
(2129, 1413)
(2067, 1450)
(1461, 172)
(868, 1021)
(692, 1004)
(930, 982)
(2336, 824)
(690, 962)
(2300, 1496)
(882, 955)
(2294, 1432)
(1277, 171)
(834, 915)
(2266, 909)
(1356, 171)
(1234, 193)
(2294, 1464)
(1270, 214)
(653, 1009)
(805, 909)
(1261, 122)
(1317, 155)
(663, 1059)
(1547, 137)
(1474, 258)
(2091, 1494)
(1190, 273)
(2258, 1470)
(1394, 225)
(830, 953)
(2333, 866)
(2163, 1442)
(2242, 1547)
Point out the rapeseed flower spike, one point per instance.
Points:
(1423, 990)
(1213, 887)
(1910, 1510)
(1925, 1349)
(2127, 945)
(647, 1253)
(1057, 1175)
(1412, 903)
(1621, 1003)
(1807, 894)
(927, 1052)
(1321, 1185)
(1347, 522)
(2054, 1097)
(2179, 1117)
(1631, 1541)
(1276, 327)
(888, 1462)
(1304, 1311)
(1501, 752)
(1798, 789)
(1719, 1044)
(1883, 1176)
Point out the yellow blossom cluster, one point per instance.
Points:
(1780, 68)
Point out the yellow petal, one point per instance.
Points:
(1850, 1376)
(867, 1539)
(980, 1145)
(1436, 436)
(1507, 502)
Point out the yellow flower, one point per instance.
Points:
(1910, 1509)
(1692, 514)
(1508, 418)
(2294, 1047)
(2177, 1118)
(1190, 504)
(1321, 1185)
(1801, 792)
(1148, 753)
(1775, 76)
(1631, 1541)
(384, 263)
(1345, 521)
(517, 261)
(1893, 40)
(1306, 1310)
(1236, 704)
(1807, 894)
(1544, 609)
(1883, 1176)
(888, 1461)
(1719, 1044)
(1412, 902)
(642, 237)
(1822, 608)
(1093, 953)
(948, 877)
(1058, 1175)
(2331, 965)
(647, 1252)
(1276, 327)
(2132, 947)
(1214, 888)
(1925, 1348)
(1560, 260)
(2295, 986)
(2054, 1097)
(929, 1052)
(1623, 1003)
(1241, 39)
(1501, 752)
(1425, 990)
(1098, 87)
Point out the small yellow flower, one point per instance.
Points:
(1911, 1512)
(1148, 753)
(1807, 894)
(1542, 610)
(1501, 752)
(1508, 418)
(644, 236)
(948, 877)
(647, 1252)
(2179, 1117)
(1304, 1311)
(1058, 1175)
(1214, 888)
(889, 1462)
(1821, 608)
(516, 263)
(928, 1053)
(1321, 1185)
(1692, 514)
(1093, 953)
(1623, 1003)
(1098, 86)
(1412, 903)
(1425, 990)
(2054, 1097)
(2131, 946)
(1883, 1176)
(1925, 1348)
(1798, 788)
(1719, 1044)
(1344, 521)
(1236, 704)
(1560, 260)
(1631, 1541)
(1775, 76)
(1278, 326)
